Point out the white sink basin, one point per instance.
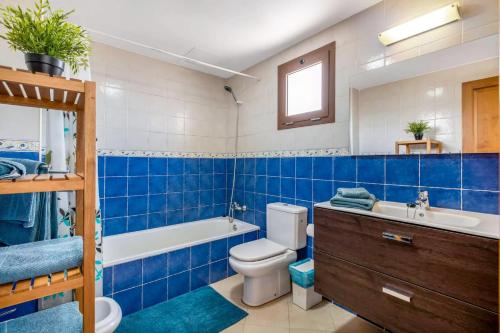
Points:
(479, 224)
(434, 215)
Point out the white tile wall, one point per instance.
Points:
(145, 104)
(384, 111)
(358, 50)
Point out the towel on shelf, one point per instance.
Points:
(62, 318)
(356, 193)
(45, 226)
(365, 204)
(10, 169)
(29, 260)
(31, 216)
(22, 208)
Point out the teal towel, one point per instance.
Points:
(10, 169)
(22, 208)
(365, 204)
(62, 318)
(19, 262)
(356, 193)
(45, 226)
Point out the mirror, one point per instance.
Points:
(452, 91)
(304, 90)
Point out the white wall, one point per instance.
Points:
(142, 104)
(385, 110)
(358, 50)
(146, 104)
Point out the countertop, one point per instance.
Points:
(488, 226)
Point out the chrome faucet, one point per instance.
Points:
(423, 200)
(234, 206)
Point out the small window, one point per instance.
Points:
(306, 89)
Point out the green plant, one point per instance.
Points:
(417, 127)
(46, 31)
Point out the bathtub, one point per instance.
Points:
(122, 248)
(146, 267)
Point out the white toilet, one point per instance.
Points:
(264, 262)
(108, 315)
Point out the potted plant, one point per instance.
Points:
(417, 128)
(46, 38)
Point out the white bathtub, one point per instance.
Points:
(122, 248)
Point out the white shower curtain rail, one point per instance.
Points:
(175, 55)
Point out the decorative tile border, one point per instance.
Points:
(18, 145)
(279, 153)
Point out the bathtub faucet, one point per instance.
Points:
(234, 206)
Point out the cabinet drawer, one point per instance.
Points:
(397, 305)
(457, 265)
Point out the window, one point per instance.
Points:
(306, 89)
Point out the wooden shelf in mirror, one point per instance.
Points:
(429, 145)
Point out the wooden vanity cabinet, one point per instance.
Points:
(407, 278)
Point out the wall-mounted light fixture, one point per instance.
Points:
(429, 21)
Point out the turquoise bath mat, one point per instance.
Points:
(202, 310)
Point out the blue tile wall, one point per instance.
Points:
(138, 284)
(138, 193)
(468, 181)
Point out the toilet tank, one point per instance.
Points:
(286, 225)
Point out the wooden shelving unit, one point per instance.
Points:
(22, 88)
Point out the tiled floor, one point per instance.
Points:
(282, 315)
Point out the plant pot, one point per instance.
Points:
(418, 136)
(44, 64)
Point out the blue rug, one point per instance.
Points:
(202, 310)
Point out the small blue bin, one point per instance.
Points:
(302, 273)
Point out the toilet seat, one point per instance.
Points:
(257, 250)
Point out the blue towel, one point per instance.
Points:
(365, 204)
(10, 169)
(29, 260)
(22, 208)
(45, 226)
(62, 318)
(356, 193)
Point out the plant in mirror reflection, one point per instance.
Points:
(417, 128)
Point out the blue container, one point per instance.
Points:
(302, 273)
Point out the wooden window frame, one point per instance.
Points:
(326, 114)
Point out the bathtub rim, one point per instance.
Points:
(248, 228)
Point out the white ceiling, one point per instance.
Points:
(231, 33)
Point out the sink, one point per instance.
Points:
(432, 216)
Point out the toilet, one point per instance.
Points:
(108, 315)
(264, 262)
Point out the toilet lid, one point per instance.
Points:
(257, 250)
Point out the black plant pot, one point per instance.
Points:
(44, 64)
(418, 136)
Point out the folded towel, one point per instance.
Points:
(357, 193)
(29, 260)
(365, 204)
(10, 169)
(22, 208)
(62, 318)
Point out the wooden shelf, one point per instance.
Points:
(42, 183)
(22, 88)
(41, 286)
(429, 143)
(19, 87)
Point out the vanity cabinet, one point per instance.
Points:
(404, 277)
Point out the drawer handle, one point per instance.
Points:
(397, 238)
(404, 296)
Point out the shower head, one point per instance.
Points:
(230, 90)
